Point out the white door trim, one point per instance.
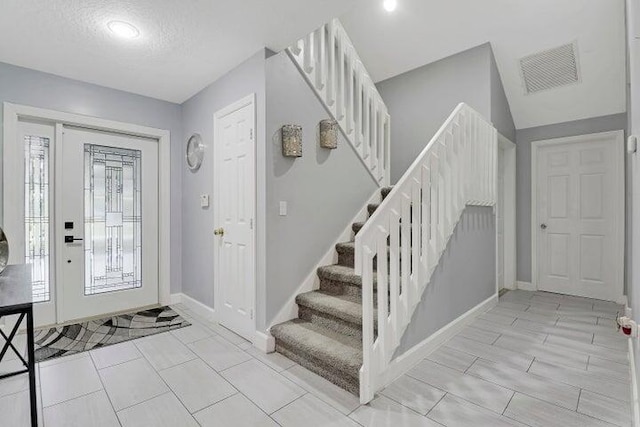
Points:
(509, 214)
(617, 138)
(217, 116)
(14, 112)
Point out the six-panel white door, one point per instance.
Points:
(234, 200)
(579, 209)
(107, 227)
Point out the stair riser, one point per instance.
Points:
(340, 288)
(328, 321)
(343, 380)
(346, 258)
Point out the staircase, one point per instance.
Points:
(350, 328)
(326, 338)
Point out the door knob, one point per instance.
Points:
(219, 231)
(543, 226)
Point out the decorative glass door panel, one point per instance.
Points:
(113, 219)
(36, 213)
(29, 211)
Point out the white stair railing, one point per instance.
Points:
(410, 230)
(333, 69)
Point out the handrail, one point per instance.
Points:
(330, 64)
(401, 244)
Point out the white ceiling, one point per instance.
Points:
(423, 31)
(184, 44)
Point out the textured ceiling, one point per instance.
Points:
(184, 44)
(424, 31)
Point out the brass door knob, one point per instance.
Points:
(219, 231)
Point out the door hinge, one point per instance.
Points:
(251, 313)
(251, 133)
(251, 223)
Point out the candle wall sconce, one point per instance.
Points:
(292, 140)
(329, 134)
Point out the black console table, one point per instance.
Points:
(16, 299)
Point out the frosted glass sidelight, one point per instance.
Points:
(112, 219)
(36, 213)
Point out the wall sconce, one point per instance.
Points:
(328, 134)
(291, 141)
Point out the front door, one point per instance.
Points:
(106, 223)
(580, 216)
(234, 212)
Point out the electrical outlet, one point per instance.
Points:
(283, 208)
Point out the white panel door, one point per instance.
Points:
(579, 203)
(235, 206)
(107, 227)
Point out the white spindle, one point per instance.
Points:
(331, 65)
(340, 83)
(309, 53)
(350, 97)
(321, 57)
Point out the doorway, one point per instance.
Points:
(83, 207)
(506, 215)
(578, 215)
(234, 214)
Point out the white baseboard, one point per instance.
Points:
(525, 286)
(175, 299)
(290, 309)
(413, 356)
(264, 342)
(197, 307)
(635, 402)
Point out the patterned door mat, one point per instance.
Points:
(79, 337)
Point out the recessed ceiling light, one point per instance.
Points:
(390, 5)
(123, 29)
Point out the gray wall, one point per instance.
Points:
(420, 100)
(197, 116)
(524, 137)
(500, 111)
(29, 87)
(324, 188)
(465, 277)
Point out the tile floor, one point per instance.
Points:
(537, 359)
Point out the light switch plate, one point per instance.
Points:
(283, 208)
(204, 200)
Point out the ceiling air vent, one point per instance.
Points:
(550, 68)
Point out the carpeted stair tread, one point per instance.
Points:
(346, 247)
(340, 351)
(371, 208)
(357, 226)
(345, 307)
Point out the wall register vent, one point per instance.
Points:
(550, 68)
